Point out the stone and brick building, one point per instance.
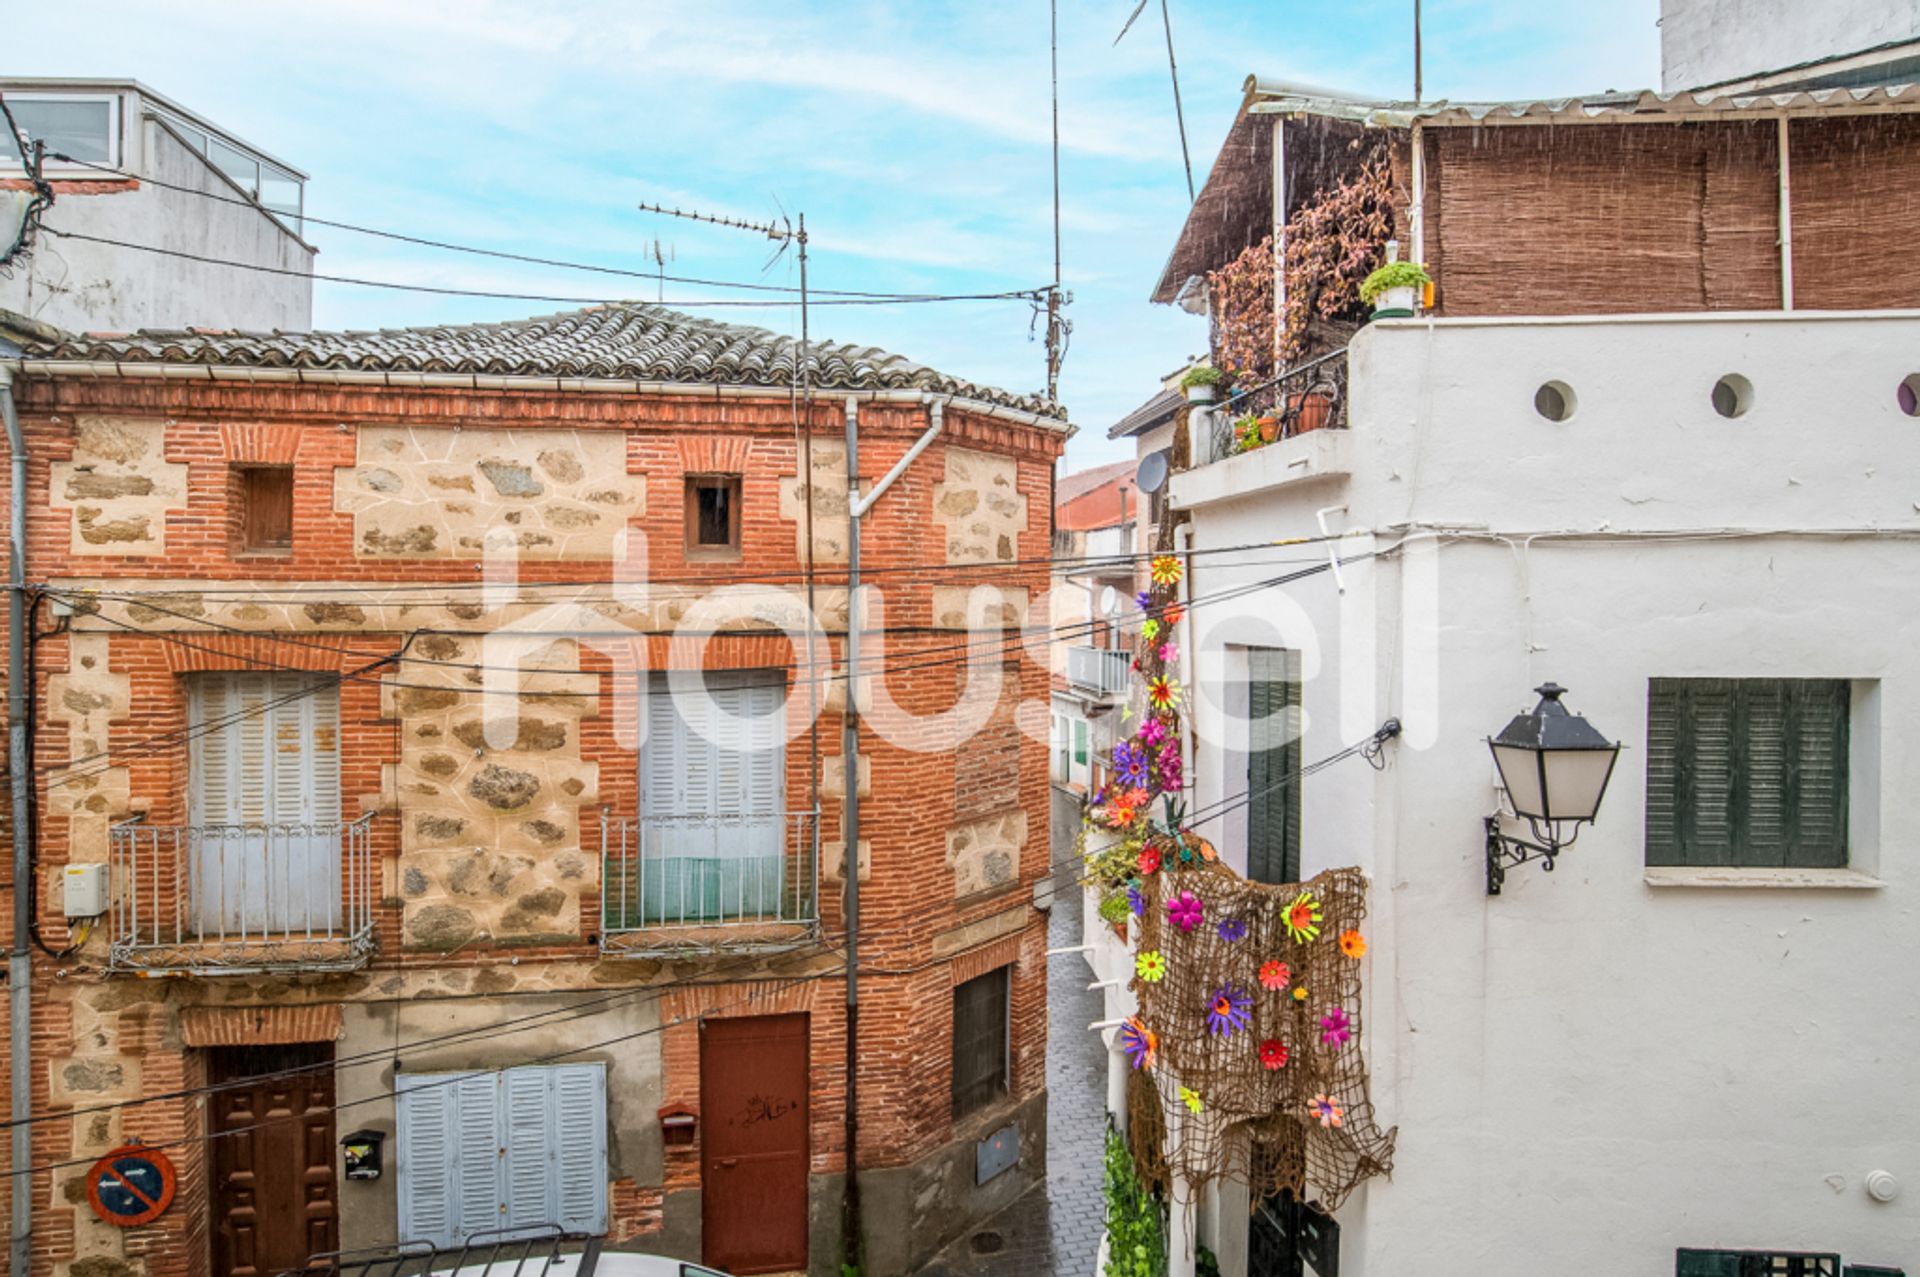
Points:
(438, 704)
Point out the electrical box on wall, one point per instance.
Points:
(84, 891)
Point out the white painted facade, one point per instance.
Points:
(1607, 1062)
(81, 285)
(1712, 42)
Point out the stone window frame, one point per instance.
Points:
(734, 486)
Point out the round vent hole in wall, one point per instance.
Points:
(1732, 395)
(986, 1243)
(1554, 401)
(1908, 395)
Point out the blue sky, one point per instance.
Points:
(914, 135)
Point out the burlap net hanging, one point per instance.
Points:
(1246, 1046)
(1255, 1072)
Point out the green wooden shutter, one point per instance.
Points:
(1273, 765)
(1748, 772)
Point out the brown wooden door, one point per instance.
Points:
(753, 1161)
(273, 1186)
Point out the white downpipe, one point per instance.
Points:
(1279, 234)
(861, 504)
(1417, 215)
(1786, 220)
(1117, 1069)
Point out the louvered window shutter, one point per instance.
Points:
(1273, 765)
(579, 1146)
(525, 1098)
(425, 1160)
(1747, 772)
(477, 1143)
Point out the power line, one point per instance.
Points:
(503, 255)
(1369, 748)
(972, 654)
(1026, 295)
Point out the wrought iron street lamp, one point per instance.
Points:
(1555, 766)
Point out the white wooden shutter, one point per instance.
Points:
(523, 1148)
(531, 1135)
(579, 1147)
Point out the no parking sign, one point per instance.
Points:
(130, 1186)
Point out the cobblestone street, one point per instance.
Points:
(1055, 1229)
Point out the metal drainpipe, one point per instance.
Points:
(20, 963)
(857, 507)
(850, 839)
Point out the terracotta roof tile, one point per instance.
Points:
(623, 341)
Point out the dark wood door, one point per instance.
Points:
(273, 1186)
(753, 1160)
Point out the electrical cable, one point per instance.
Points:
(1370, 748)
(980, 655)
(422, 241)
(554, 298)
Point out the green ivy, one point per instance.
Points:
(1136, 1225)
(1204, 1263)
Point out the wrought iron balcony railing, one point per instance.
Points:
(234, 899)
(1098, 669)
(742, 882)
(1309, 396)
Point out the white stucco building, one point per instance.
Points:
(142, 172)
(1623, 1058)
(1743, 44)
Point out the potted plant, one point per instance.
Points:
(1268, 425)
(1309, 409)
(1246, 433)
(1391, 289)
(1202, 384)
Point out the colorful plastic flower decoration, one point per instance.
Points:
(1323, 1108)
(1136, 798)
(1118, 813)
(1145, 600)
(1150, 965)
(1353, 944)
(1273, 1054)
(1152, 732)
(1136, 901)
(1139, 1042)
(1129, 764)
(1335, 1028)
(1169, 652)
(1232, 929)
(1150, 629)
(1163, 692)
(1166, 570)
(1275, 974)
(1191, 1098)
(1148, 860)
(1229, 1011)
(1172, 613)
(1300, 993)
(1185, 911)
(1171, 769)
(1302, 918)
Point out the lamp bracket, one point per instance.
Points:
(1504, 852)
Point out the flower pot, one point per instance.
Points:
(1203, 393)
(1269, 428)
(1395, 303)
(1119, 929)
(1310, 410)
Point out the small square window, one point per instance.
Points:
(981, 1010)
(713, 516)
(264, 495)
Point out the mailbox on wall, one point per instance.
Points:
(361, 1153)
(678, 1124)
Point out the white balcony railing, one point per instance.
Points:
(1098, 669)
(739, 881)
(232, 899)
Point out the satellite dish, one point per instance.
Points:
(1110, 601)
(1152, 474)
